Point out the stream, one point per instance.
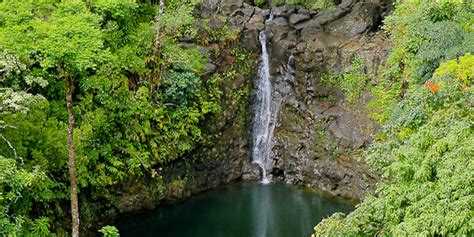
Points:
(240, 210)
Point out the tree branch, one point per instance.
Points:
(13, 148)
(8, 126)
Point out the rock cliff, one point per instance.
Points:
(318, 135)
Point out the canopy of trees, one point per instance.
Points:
(135, 106)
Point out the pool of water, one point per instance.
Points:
(241, 210)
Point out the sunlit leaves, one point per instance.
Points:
(177, 28)
(462, 70)
(69, 36)
(18, 187)
(423, 35)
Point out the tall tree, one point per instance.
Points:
(65, 41)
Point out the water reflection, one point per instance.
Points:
(253, 210)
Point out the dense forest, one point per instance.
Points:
(94, 94)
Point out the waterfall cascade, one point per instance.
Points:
(261, 123)
(266, 106)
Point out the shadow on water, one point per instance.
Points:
(243, 210)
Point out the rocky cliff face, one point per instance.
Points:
(317, 133)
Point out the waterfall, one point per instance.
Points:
(261, 124)
(267, 105)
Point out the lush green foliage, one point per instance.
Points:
(423, 35)
(109, 231)
(137, 107)
(19, 185)
(352, 82)
(19, 188)
(425, 151)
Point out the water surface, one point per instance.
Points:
(243, 210)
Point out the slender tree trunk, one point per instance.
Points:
(162, 7)
(72, 159)
(157, 44)
(161, 10)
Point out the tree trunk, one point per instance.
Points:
(162, 7)
(72, 159)
(161, 10)
(157, 44)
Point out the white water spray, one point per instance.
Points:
(266, 106)
(261, 123)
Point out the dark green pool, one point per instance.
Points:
(243, 210)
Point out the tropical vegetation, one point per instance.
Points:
(425, 152)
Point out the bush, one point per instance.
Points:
(109, 231)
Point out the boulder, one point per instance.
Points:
(283, 11)
(357, 22)
(209, 69)
(229, 6)
(279, 21)
(300, 25)
(242, 15)
(292, 37)
(280, 10)
(247, 10)
(311, 30)
(297, 18)
(345, 4)
(256, 22)
(279, 28)
(303, 11)
(249, 39)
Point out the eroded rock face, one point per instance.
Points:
(318, 133)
